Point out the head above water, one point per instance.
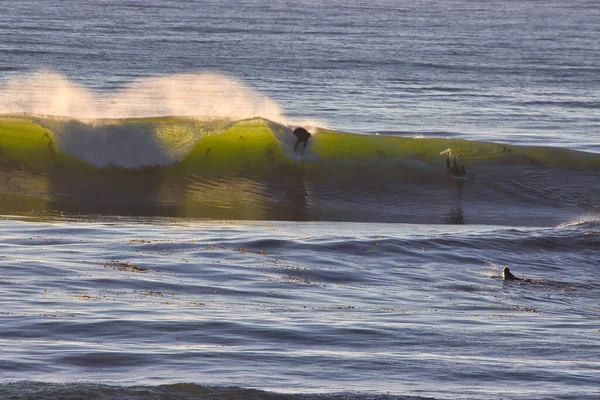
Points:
(507, 275)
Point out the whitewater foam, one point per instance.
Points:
(586, 219)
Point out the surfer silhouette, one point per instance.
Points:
(49, 145)
(303, 135)
(456, 169)
(508, 276)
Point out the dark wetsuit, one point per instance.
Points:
(508, 276)
(303, 135)
(456, 170)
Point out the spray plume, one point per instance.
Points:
(192, 95)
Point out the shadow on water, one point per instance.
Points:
(155, 191)
(115, 190)
(284, 192)
(287, 194)
(455, 215)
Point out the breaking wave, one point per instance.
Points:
(247, 169)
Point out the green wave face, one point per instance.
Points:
(233, 144)
(245, 144)
(374, 149)
(248, 169)
(23, 141)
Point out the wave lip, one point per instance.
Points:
(592, 221)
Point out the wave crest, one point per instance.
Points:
(587, 220)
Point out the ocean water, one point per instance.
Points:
(125, 308)
(509, 71)
(160, 237)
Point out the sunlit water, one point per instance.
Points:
(97, 307)
(510, 71)
(302, 307)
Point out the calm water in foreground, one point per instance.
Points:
(379, 309)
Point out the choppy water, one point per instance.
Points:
(381, 309)
(95, 304)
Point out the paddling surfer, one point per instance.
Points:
(303, 135)
(508, 276)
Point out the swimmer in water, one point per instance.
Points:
(508, 276)
(303, 135)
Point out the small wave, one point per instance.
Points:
(584, 221)
(40, 390)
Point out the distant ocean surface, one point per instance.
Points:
(160, 237)
(520, 72)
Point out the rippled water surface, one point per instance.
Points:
(109, 307)
(517, 72)
(301, 307)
